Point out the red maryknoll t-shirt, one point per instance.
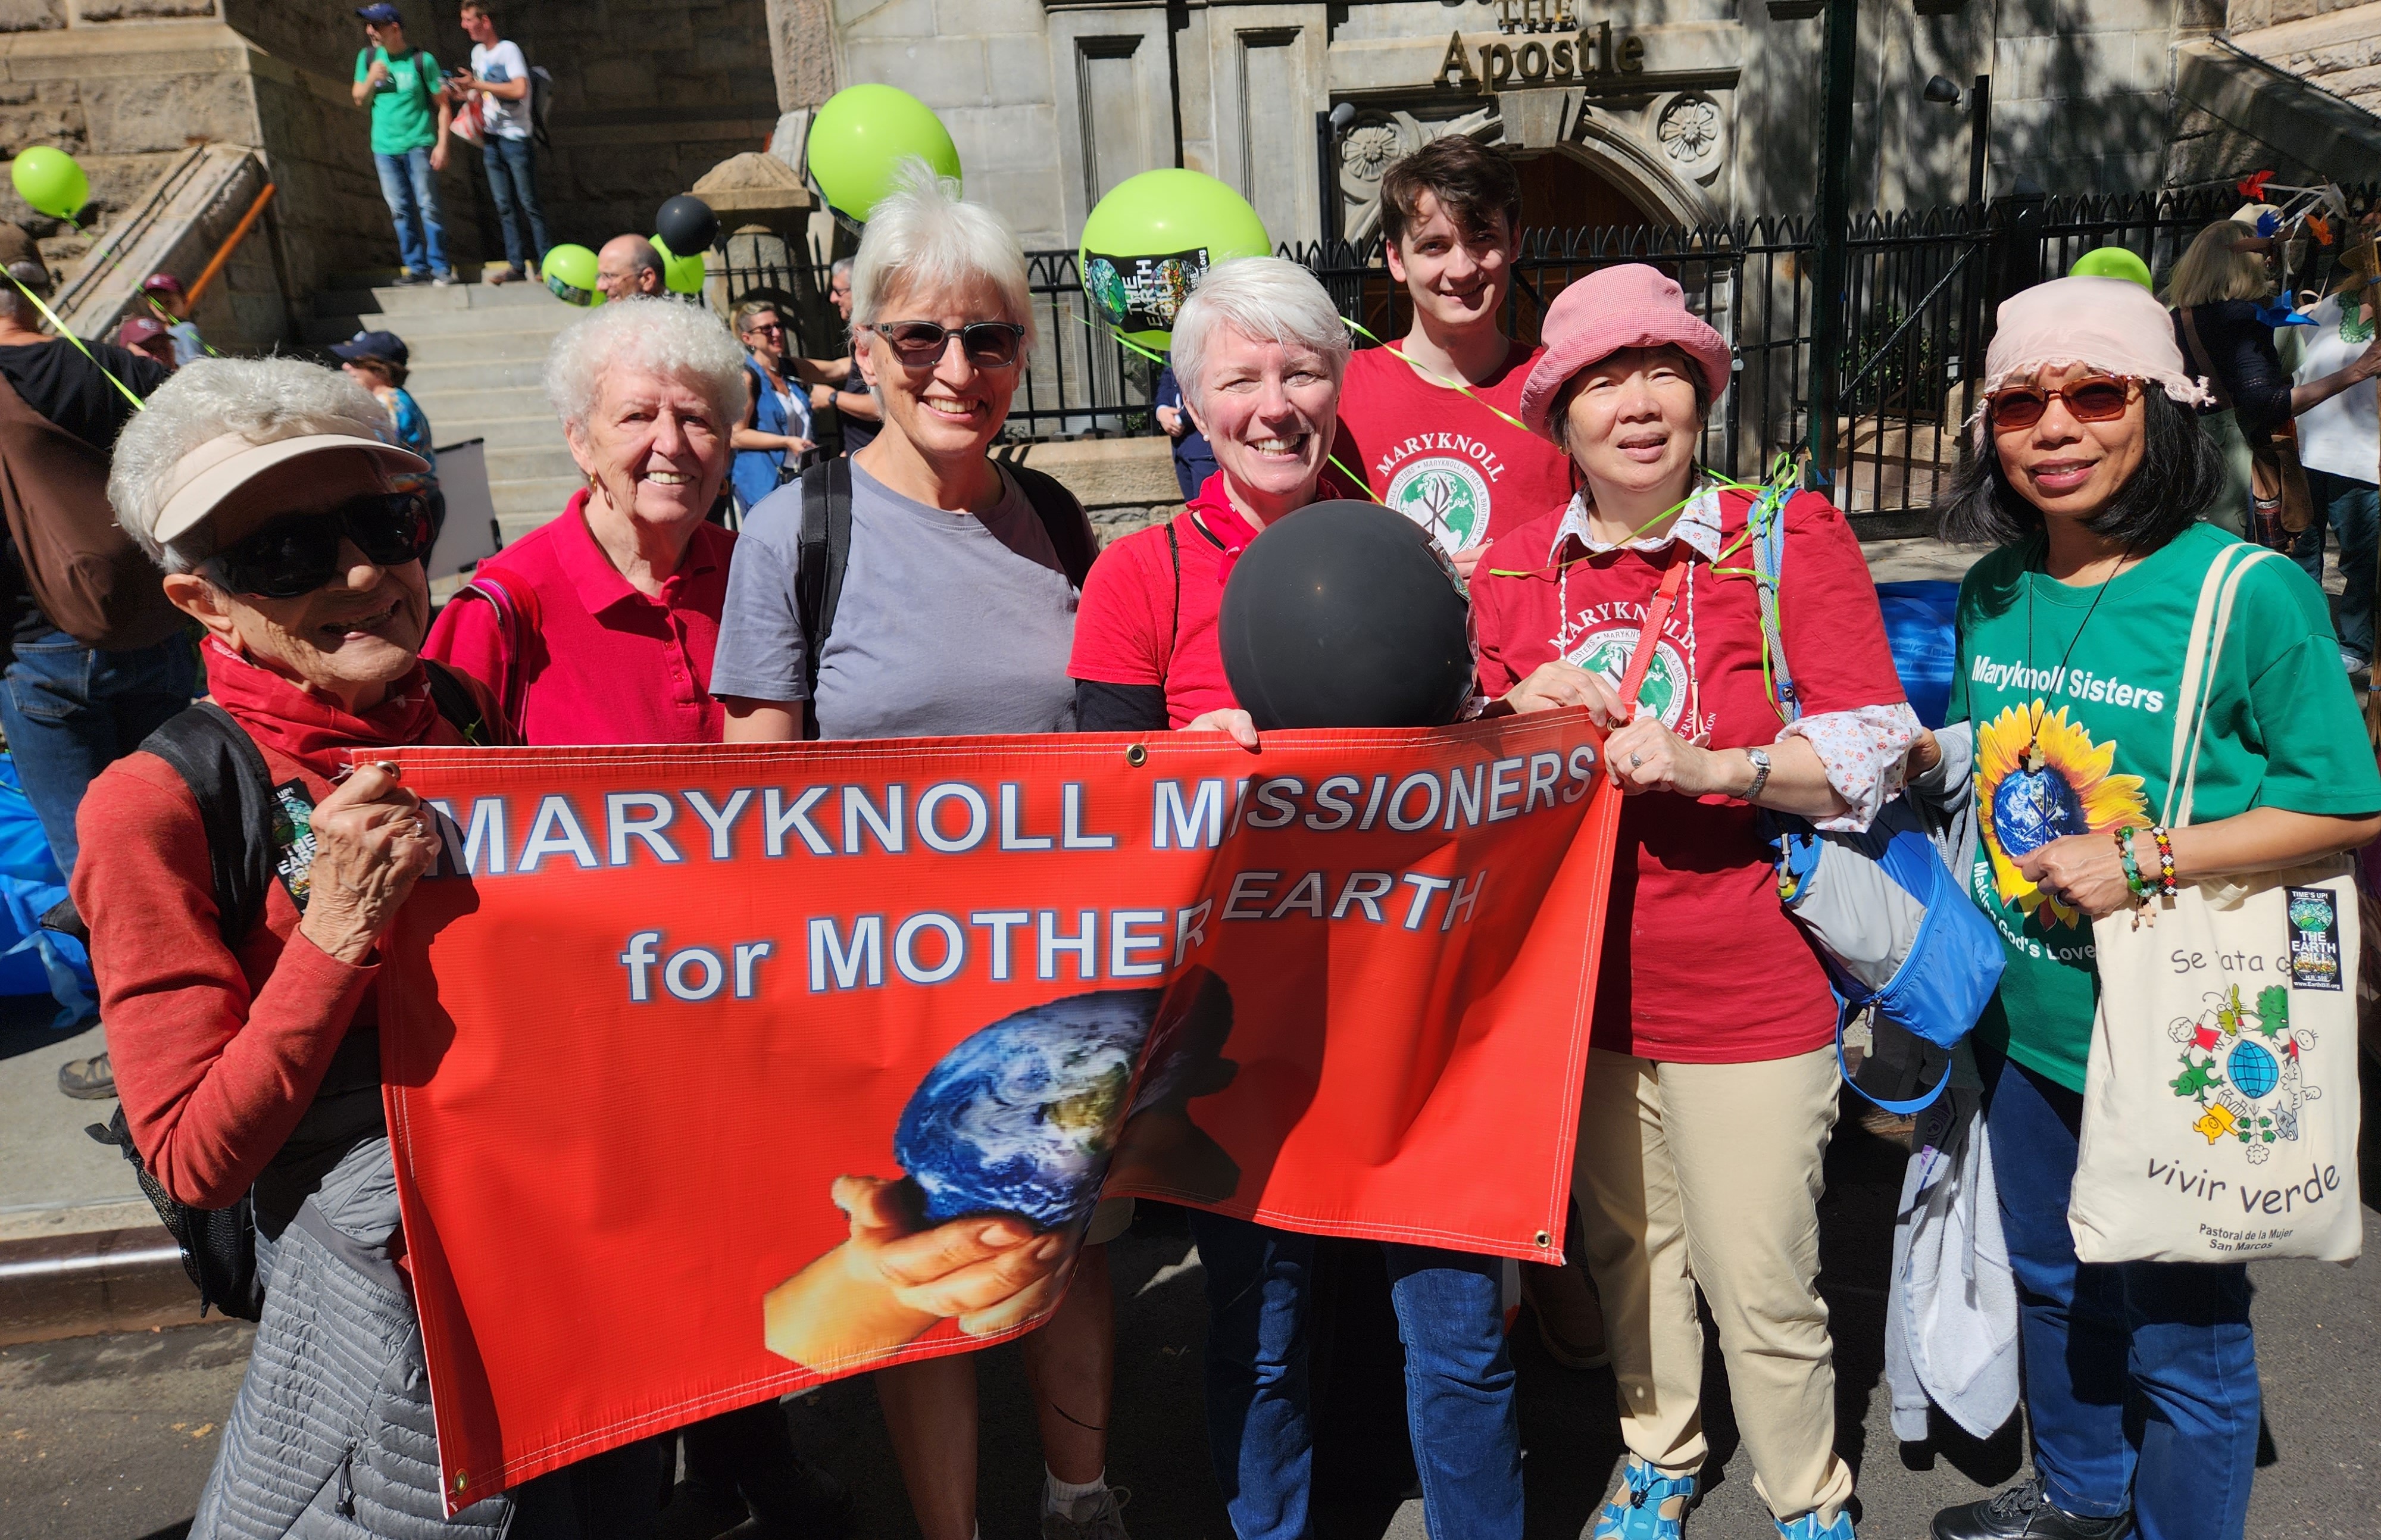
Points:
(1441, 458)
(1701, 964)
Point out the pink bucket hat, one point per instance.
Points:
(2111, 325)
(1611, 308)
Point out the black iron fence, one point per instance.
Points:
(1918, 302)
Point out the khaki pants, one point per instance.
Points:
(1709, 1174)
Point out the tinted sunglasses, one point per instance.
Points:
(988, 344)
(2100, 398)
(299, 552)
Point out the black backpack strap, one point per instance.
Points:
(823, 554)
(234, 790)
(1062, 518)
(459, 706)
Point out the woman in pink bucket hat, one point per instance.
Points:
(1711, 1077)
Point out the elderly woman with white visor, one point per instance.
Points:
(1260, 351)
(1711, 1080)
(244, 1032)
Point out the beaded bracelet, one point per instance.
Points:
(2141, 890)
(2167, 887)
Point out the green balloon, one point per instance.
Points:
(571, 273)
(861, 134)
(1150, 241)
(50, 182)
(2112, 261)
(681, 274)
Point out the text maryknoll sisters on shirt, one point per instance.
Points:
(2079, 684)
(886, 821)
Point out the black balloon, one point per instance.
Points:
(686, 225)
(1346, 615)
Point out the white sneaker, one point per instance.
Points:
(1096, 1517)
(2354, 663)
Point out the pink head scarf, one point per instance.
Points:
(2111, 325)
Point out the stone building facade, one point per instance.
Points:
(649, 96)
(1669, 111)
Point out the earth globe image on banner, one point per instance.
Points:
(1153, 239)
(1021, 1115)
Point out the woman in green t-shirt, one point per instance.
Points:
(2091, 476)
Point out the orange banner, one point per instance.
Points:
(716, 1073)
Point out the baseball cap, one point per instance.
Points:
(380, 15)
(161, 283)
(209, 475)
(382, 347)
(139, 330)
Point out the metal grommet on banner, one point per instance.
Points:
(1544, 1240)
(461, 1480)
(1137, 756)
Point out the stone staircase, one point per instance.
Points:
(478, 370)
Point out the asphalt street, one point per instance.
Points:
(110, 1437)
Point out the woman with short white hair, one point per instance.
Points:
(628, 582)
(243, 1014)
(1260, 351)
(953, 609)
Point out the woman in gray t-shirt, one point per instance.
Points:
(956, 616)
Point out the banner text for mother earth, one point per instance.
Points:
(716, 1073)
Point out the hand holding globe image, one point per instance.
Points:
(1003, 1149)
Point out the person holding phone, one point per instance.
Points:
(411, 117)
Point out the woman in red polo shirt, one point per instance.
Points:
(1711, 1076)
(1260, 351)
(599, 626)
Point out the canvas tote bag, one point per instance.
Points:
(2220, 1100)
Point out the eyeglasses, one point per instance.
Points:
(918, 344)
(765, 327)
(299, 552)
(2098, 399)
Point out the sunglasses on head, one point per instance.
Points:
(299, 553)
(988, 344)
(2096, 398)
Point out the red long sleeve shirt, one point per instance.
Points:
(218, 1052)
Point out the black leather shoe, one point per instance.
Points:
(2023, 1513)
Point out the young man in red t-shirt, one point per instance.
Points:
(1449, 214)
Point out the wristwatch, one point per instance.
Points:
(1760, 758)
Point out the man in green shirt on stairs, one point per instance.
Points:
(410, 118)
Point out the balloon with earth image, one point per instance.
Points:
(1020, 1117)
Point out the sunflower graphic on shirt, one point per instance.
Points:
(2072, 791)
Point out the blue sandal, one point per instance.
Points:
(1807, 1527)
(1636, 1512)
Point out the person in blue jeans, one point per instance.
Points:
(499, 76)
(2092, 479)
(1262, 353)
(70, 710)
(410, 116)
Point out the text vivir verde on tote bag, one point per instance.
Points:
(2220, 1101)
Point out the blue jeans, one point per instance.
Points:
(511, 164)
(1459, 1381)
(2352, 509)
(411, 189)
(70, 711)
(2141, 1378)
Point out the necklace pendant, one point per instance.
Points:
(2033, 759)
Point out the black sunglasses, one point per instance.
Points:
(299, 552)
(988, 344)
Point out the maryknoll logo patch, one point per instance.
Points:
(1604, 653)
(1446, 497)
